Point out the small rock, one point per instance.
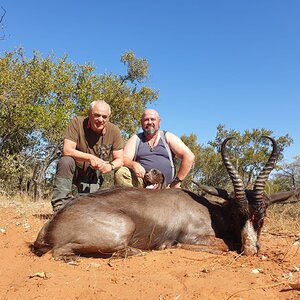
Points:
(40, 275)
(205, 270)
(26, 226)
(288, 275)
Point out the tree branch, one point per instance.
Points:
(1, 20)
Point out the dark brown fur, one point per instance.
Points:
(127, 220)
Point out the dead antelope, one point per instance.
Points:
(126, 220)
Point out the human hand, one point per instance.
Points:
(139, 170)
(105, 168)
(175, 184)
(98, 163)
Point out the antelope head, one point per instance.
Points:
(251, 204)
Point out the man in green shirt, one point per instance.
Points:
(88, 144)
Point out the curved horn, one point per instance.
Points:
(260, 182)
(236, 179)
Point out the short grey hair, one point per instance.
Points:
(100, 102)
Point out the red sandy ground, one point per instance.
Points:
(158, 275)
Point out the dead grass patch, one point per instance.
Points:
(24, 204)
(284, 219)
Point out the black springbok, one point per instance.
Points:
(126, 220)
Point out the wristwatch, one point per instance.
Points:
(112, 166)
(176, 179)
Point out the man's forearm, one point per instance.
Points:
(185, 167)
(128, 162)
(78, 155)
(118, 162)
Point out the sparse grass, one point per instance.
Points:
(284, 218)
(24, 204)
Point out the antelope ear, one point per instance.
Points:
(282, 196)
(213, 191)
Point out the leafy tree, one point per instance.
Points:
(40, 95)
(137, 68)
(191, 142)
(247, 151)
(288, 176)
(36, 104)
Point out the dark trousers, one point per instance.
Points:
(68, 174)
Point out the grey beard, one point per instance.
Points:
(150, 131)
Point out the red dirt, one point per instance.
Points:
(157, 275)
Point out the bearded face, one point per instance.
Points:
(150, 122)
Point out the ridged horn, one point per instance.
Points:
(260, 182)
(236, 179)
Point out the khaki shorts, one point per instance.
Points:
(126, 177)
